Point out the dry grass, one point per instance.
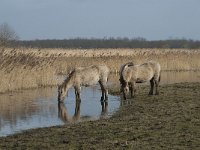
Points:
(28, 68)
(22, 71)
(170, 59)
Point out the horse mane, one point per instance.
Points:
(122, 69)
(68, 78)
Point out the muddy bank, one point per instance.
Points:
(168, 121)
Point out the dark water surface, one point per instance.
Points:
(39, 107)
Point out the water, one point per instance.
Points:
(39, 107)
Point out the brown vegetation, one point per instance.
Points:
(28, 68)
(20, 70)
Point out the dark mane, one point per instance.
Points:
(69, 76)
(121, 79)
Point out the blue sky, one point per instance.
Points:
(59, 19)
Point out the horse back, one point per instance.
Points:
(142, 73)
(90, 75)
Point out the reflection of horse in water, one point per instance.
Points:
(130, 74)
(85, 76)
(104, 109)
(65, 117)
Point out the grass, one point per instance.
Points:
(31, 68)
(170, 120)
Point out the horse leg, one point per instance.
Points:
(152, 86)
(77, 108)
(125, 89)
(106, 92)
(133, 89)
(77, 92)
(124, 95)
(104, 83)
(102, 90)
(157, 84)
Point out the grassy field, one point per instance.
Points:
(30, 68)
(170, 120)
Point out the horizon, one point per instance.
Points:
(117, 38)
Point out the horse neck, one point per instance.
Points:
(68, 83)
(127, 74)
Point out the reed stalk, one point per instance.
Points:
(24, 68)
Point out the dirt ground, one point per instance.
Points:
(170, 120)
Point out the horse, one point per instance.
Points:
(130, 74)
(120, 73)
(85, 76)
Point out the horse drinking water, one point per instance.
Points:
(131, 74)
(85, 76)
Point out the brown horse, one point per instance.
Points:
(85, 76)
(131, 74)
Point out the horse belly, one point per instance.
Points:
(143, 78)
(88, 81)
(138, 80)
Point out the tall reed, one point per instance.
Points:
(28, 68)
(22, 71)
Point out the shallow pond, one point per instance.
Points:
(39, 107)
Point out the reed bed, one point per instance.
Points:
(23, 71)
(24, 68)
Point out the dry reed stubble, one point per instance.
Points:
(28, 68)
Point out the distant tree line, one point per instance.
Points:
(108, 43)
(9, 38)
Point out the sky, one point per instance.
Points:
(65, 19)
